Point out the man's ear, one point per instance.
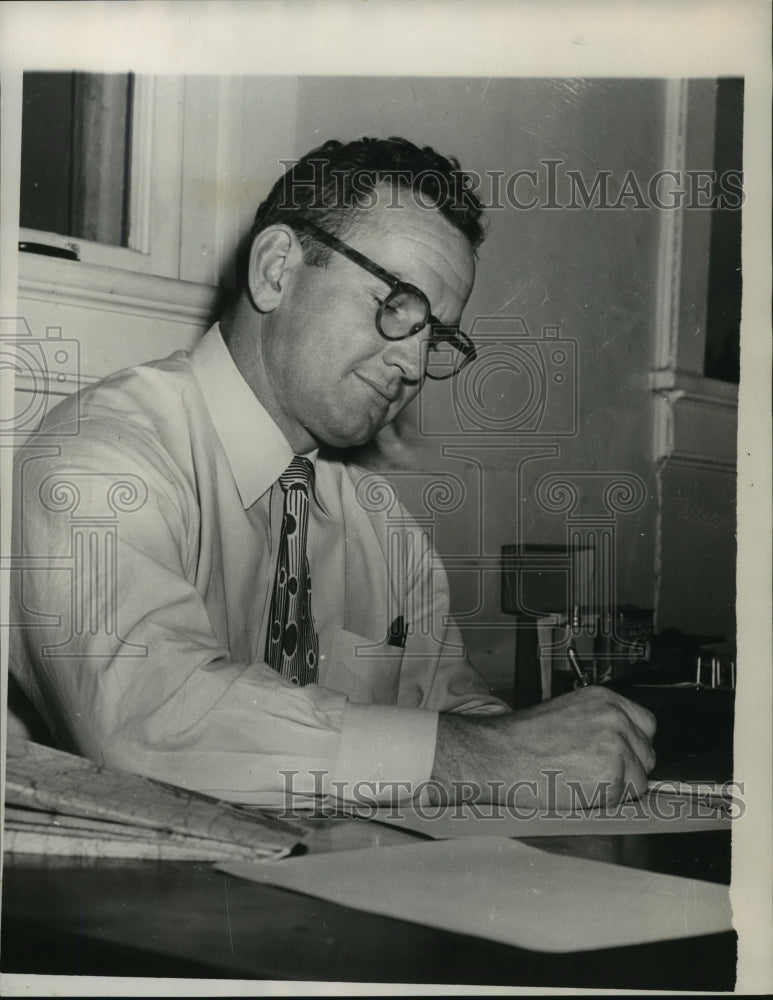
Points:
(274, 255)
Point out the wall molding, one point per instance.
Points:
(671, 229)
(109, 289)
(695, 386)
(685, 231)
(696, 419)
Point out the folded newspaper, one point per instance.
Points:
(60, 804)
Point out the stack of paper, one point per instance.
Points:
(57, 803)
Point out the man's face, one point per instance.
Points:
(334, 378)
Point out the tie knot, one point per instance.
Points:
(299, 474)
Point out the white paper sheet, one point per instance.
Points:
(505, 891)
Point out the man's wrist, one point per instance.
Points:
(464, 749)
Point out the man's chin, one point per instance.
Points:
(350, 437)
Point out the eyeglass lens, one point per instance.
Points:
(404, 313)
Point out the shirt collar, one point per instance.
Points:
(257, 451)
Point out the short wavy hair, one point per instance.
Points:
(334, 183)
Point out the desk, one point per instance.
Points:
(122, 918)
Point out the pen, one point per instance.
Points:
(583, 680)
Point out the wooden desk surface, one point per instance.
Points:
(124, 918)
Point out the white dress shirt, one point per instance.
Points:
(140, 608)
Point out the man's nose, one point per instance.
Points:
(409, 355)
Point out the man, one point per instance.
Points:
(221, 667)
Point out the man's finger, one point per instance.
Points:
(641, 748)
(641, 717)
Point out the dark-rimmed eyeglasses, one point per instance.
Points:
(405, 311)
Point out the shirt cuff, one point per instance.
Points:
(385, 755)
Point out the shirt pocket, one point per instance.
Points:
(364, 669)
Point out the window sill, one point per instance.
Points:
(97, 287)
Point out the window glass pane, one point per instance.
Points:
(76, 141)
(723, 319)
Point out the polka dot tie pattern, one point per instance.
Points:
(292, 646)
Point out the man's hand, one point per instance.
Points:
(592, 745)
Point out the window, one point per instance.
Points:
(75, 155)
(102, 171)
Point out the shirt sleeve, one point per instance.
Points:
(114, 645)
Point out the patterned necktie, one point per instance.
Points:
(292, 647)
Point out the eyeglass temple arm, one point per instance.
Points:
(343, 248)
